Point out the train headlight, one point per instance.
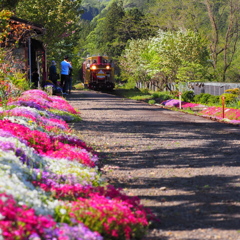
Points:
(94, 67)
(107, 67)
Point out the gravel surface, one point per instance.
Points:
(184, 167)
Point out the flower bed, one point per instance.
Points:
(51, 187)
(216, 113)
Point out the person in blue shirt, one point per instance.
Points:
(65, 70)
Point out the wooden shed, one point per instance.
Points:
(27, 51)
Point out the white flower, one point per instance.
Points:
(63, 211)
(1, 218)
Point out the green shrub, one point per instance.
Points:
(213, 100)
(144, 90)
(229, 97)
(235, 91)
(201, 98)
(233, 104)
(151, 101)
(188, 96)
(162, 96)
(197, 98)
(205, 97)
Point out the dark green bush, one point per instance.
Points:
(205, 97)
(162, 96)
(213, 99)
(197, 98)
(188, 96)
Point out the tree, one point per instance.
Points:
(60, 18)
(109, 28)
(224, 37)
(103, 37)
(171, 57)
(217, 20)
(8, 4)
(134, 25)
(132, 61)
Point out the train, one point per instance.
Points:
(98, 73)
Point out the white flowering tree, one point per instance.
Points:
(133, 61)
(171, 57)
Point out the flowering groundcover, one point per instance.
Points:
(50, 184)
(230, 115)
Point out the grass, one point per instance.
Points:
(79, 86)
(141, 94)
(132, 93)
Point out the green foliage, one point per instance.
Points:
(173, 56)
(79, 86)
(144, 90)
(60, 19)
(4, 24)
(235, 91)
(152, 101)
(134, 25)
(229, 97)
(114, 27)
(235, 104)
(8, 4)
(202, 98)
(217, 20)
(197, 97)
(213, 100)
(18, 79)
(205, 97)
(188, 96)
(170, 57)
(131, 92)
(132, 63)
(162, 96)
(103, 38)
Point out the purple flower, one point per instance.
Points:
(66, 232)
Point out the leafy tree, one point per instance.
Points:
(109, 28)
(8, 4)
(102, 39)
(224, 17)
(171, 57)
(134, 25)
(217, 20)
(132, 61)
(60, 18)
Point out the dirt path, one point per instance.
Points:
(184, 167)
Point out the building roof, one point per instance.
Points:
(38, 28)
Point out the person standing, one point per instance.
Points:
(53, 73)
(35, 78)
(65, 70)
(70, 79)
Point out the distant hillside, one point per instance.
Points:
(93, 7)
(140, 4)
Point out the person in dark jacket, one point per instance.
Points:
(53, 73)
(35, 78)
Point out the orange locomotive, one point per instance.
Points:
(98, 73)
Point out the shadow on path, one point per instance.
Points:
(184, 167)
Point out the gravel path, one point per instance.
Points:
(184, 167)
